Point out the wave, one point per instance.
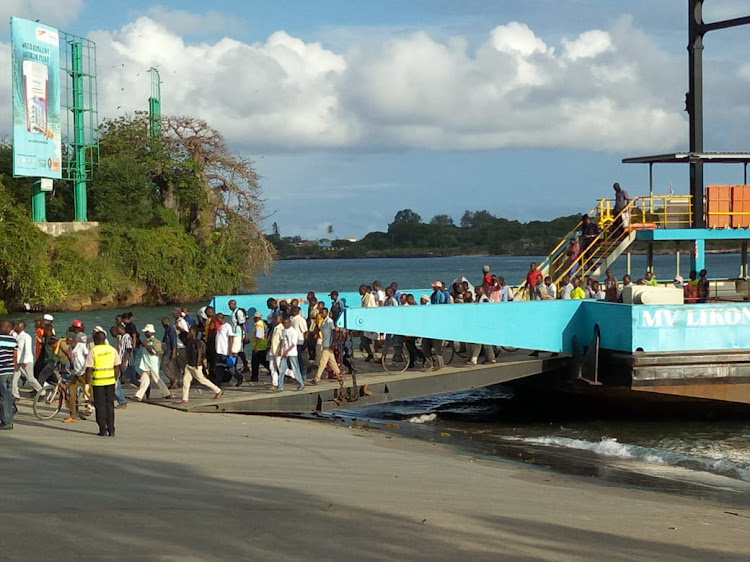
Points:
(610, 447)
(424, 418)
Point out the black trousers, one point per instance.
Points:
(104, 402)
(259, 358)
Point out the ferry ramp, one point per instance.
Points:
(381, 387)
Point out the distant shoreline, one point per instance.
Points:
(333, 256)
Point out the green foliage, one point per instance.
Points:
(168, 230)
(25, 268)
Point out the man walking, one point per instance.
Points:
(8, 365)
(25, 366)
(288, 354)
(260, 343)
(148, 365)
(622, 199)
(239, 318)
(327, 358)
(102, 368)
(169, 345)
(196, 354)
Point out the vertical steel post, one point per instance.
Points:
(694, 106)
(154, 104)
(38, 203)
(743, 262)
(79, 133)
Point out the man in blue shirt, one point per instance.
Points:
(433, 349)
(8, 363)
(169, 359)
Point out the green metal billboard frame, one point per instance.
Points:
(80, 123)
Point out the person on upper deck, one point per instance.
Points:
(589, 231)
(621, 202)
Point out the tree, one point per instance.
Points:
(442, 220)
(275, 229)
(407, 216)
(329, 229)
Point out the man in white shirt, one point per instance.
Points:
(238, 321)
(224, 335)
(25, 360)
(288, 354)
(551, 288)
(567, 287)
(299, 323)
(274, 350)
(378, 293)
(78, 353)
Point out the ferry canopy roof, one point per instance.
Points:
(688, 157)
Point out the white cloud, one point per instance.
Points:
(612, 90)
(588, 45)
(51, 12)
(744, 72)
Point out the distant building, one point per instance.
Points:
(351, 239)
(325, 244)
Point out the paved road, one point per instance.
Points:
(181, 486)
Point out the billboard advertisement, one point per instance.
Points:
(35, 52)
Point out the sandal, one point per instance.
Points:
(182, 402)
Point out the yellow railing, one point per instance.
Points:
(650, 211)
(655, 211)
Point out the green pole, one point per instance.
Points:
(154, 104)
(79, 134)
(38, 204)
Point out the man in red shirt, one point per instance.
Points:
(531, 277)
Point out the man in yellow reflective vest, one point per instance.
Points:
(102, 369)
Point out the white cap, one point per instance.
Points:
(149, 328)
(99, 329)
(48, 317)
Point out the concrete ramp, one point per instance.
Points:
(385, 387)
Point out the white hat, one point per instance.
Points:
(678, 279)
(99, 329)
(149, 328)
(48, 317)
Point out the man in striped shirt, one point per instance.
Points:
(8, 363)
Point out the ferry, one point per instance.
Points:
(653, 341)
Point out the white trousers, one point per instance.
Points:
(274, 363)
(197, 374)
(146, 378)
(28, 372)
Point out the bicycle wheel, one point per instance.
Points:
(394, 359)
(448, 352)
(461, 349)
(47, 402)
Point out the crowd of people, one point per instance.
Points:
(540, 287)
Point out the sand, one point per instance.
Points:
(173, 485)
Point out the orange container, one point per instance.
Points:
(740, 206)
(718, 200)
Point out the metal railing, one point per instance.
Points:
(642, 212)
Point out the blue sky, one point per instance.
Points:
(353, 110)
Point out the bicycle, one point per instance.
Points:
(49, 401)
(393, 357)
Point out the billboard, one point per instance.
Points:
(35, 50)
